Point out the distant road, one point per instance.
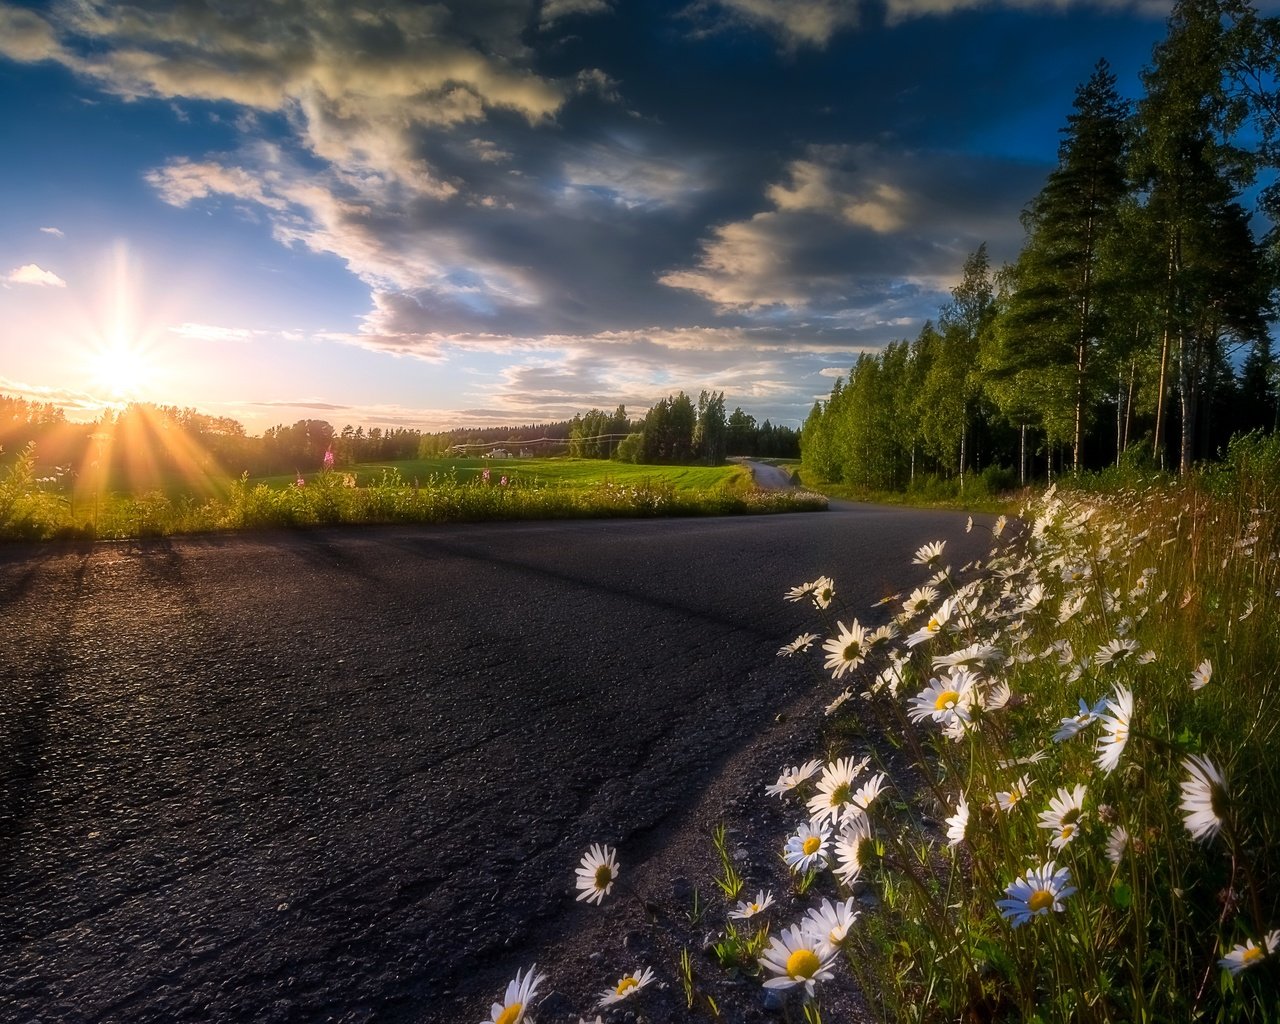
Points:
(314, 776)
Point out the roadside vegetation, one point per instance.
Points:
(37, 504)
(1044, 790)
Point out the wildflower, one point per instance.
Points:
(597, 874)
(974, 656)
(797, 958)
(802, 591)
(945, 698)
(968, 525)
(300, 482)
(808, 848)
(824, 591)
(745, 910)
(1249, 954)
(792, 777)
(1000, 696)
(846, 651)
(1035, 894)
(929, 554)
(836, 704)
(515, 1001)
(881, 636)
(830, 923)
(998, 528)
(934, 626)
(958, 823)
(328, 458)
(848, 847)
(1115, 729)
(1010, 798)
(1204, 797)
(868, 791)
(801, 643)
(1070, 727)
(835, 790)
(921, 598)
(1063, 816)
(1201, 676)
(628, 985)
(1117, 843)
(1115, 652)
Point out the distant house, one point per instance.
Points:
(497, 453)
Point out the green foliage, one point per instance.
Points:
(729, 880)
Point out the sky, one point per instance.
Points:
(490, 212)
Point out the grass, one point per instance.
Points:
(419, 491)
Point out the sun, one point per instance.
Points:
(121, 370)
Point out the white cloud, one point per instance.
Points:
(555, 9)
(56, 232)
(32, 274)
(795, 22)
(212, 332)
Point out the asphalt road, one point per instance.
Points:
(323, 776)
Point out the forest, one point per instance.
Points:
(1135, 324)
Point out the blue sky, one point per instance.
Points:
(494, 211)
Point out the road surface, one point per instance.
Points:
(327, 775)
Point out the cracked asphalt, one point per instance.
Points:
(330, 775)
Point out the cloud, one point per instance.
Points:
(56, 232)
(211, 332)
(553, 10)
(795, 22)
(32, 274)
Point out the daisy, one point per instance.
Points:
(1000, 696)
(945, 698)
(835, 704)
(920, 600)
(974, 656)
(848, 848)
(1034, 895)
(868, 791)
(744, 910)
(998, 528)
(830, 922)
(515, 1001)
(934, 626)
(835, 790)
(1117, 843)
(846, 651)
(1201, 676)
(801, 643)
(1114, 652)
(597, 874)
(1115, 729)
(801, 592)
(796, 957)
(1063, 816)
(958, 823)
(808, 848)
(1010, 799)
(1204, 797)
(824, 590)
(1249, 954)
(1070, 727)
(881, 636)
(792, 777)
(929, 554)
(628, 985)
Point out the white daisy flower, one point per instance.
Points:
(934, 626)
(801, 592)
(1204, 797)
(808, 848)
(627, 986)
(1201, 676)
(835, 705)
(1063, 816)
(801, 643)
(515, 1001)
(946, 698)
(796, 958)
(868, 791)
(830, 923)
(973, 657)
(1008, 799)
(1249, 954)
(824, 591)
(1037, 893)
(792, 777)
(1070, 727)
(968, 525)
(598, 872)
(958, 823)
(1117, 843)
(847, 650)
(1000, 524)
(998, 697)
(745, 910)
(920, 600)
(835, 791)
(1115, 729)
(929, 554)
(848, 848)
(1116, 652)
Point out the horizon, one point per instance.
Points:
(513, 212)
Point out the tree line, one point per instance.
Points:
(1136, 321)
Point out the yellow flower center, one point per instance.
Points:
(835, 937)
(934, 626)
(840, 795)
(1251, 954)
(1039, 900)
(946, 699)
(803, 963)
(510, 1014)
(1067, 831)
(810, 845)
(625, 986)
(604, 875)
(852, 650)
